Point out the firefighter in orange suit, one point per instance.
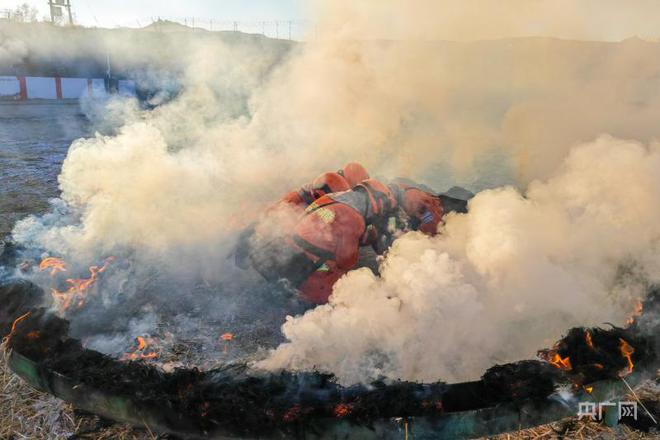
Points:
(299, 199)
(324, 184)
(325, 243)
(348, 228)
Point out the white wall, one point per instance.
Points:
(74, 88)
(9, 86)
(126, 87)
(98, 88)
(40, 88)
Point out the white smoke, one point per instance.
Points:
(500, 282)
(252, 121)
(12, 50)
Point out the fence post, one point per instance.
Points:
(58, 87)
(22, 88)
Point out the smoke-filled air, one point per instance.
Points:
(498, 282)
(552, 135)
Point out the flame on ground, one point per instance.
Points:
(141, 343)
(76, 294)
(226, 337)
(54, 264)
(141, 351)
(560, 362)
(553, 357)
(7, 338)
(626, 351)
(639, 307)
(342, 410)
(588, 340)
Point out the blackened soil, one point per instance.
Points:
(243, 402)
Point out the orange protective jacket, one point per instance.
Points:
(330, 235)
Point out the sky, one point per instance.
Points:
(137, 13)
(604, 20)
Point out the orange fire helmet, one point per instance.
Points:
(354, 173)
(380, 197)
(328, 183)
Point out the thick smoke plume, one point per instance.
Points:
(501, 281)
(253, 118)
(469, 20)
(11, 50)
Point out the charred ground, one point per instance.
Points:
(244, 402)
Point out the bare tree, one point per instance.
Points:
(24, 13)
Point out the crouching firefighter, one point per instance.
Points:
(297, 201)
(325, 243)
(326, 183)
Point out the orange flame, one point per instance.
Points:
(226, 337)
(342, 410)
(639, 307)
(141, 343)
(19, 319)
(139, 351)
(7, 338)
(561, 363)
(54, 264)
(587, 338)
(627, 351)
(589, 389)
(77, 291)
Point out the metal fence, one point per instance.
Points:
(284, 29)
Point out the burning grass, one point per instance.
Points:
(218, 398)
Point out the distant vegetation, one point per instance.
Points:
(22, 13)
(35, 48)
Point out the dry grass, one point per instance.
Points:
(586, 429)
(572, 428)
(29, 414)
